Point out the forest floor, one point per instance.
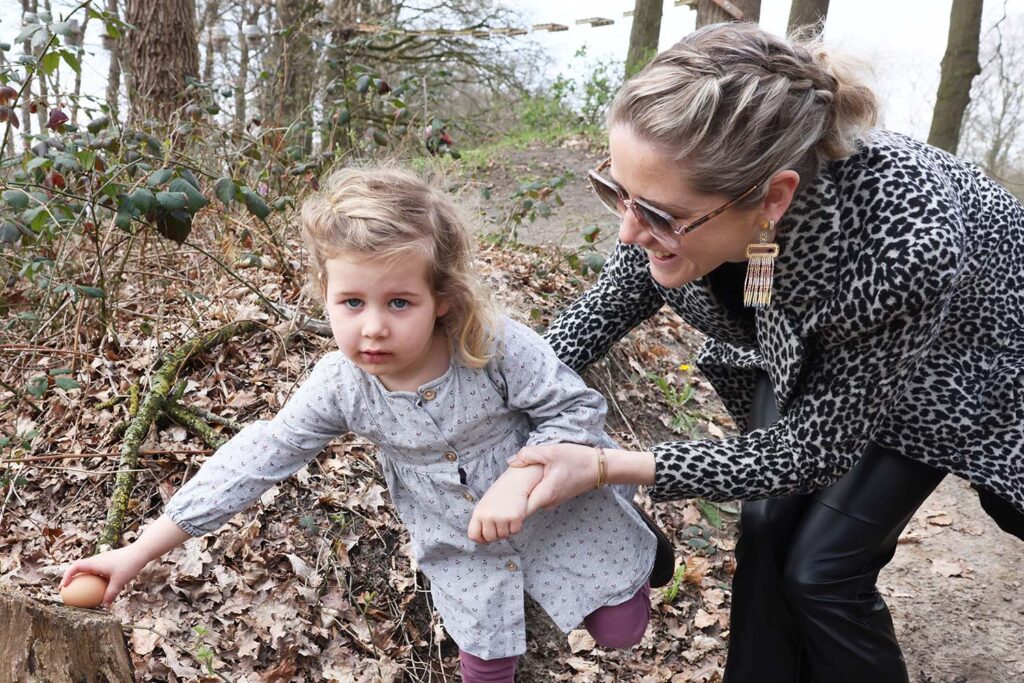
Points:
(315, 583)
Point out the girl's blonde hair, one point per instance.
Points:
(737, 103)
(386, 212)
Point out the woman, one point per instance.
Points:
(881, 349)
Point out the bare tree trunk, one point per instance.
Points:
(208, 26)
(161, 51)
(26, 112)
(114, 72)
(711, 12)
(246, 16)
(643, 36)
(80, 52)
(42, 111)
(8, 129)
(40, 642)
(807, 13)
(294, 58)
(959, 67)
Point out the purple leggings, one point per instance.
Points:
(614, 626)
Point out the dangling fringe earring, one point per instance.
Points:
(757, 289)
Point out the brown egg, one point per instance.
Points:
(85, 590)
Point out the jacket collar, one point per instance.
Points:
(810, 242)
(810, 239)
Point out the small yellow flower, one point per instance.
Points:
(684, 367)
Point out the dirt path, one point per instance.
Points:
(954, 586)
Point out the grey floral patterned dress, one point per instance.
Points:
(441, 448)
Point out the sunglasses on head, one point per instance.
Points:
(666, 228)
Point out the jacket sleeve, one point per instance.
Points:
(860, 364)
(262, 454)
(561, 407)
(623, 297)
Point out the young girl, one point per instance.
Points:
(449, 392)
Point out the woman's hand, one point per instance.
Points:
(569, 470)
(118, 566)
(501, 511)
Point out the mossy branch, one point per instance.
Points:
(154, 402)
(188, 419)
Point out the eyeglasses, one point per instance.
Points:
(665, 228)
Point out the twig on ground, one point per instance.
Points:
(189, 420)
(152, 405)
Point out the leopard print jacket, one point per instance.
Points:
(897, 317)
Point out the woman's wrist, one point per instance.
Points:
(630, 467)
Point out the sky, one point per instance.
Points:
(901, 41)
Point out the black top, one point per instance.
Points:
(727, 283)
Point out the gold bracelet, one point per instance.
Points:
(602, 467)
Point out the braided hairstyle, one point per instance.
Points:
(738, 103)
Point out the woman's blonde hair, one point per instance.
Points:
(737, 103)
(385, 212)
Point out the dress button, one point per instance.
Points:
(511, 566)
(450, 457)
(468, 496)
(429, 394)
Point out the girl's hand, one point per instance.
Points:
(501, 511)
(118, 566)
(569, 470)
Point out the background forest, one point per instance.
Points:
(154, 298)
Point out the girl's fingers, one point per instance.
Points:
(490, 533)
(113, 590)
(77, 567)
(515, 527)
(68, 574)
(474, 530)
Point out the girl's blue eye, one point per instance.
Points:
(352, 303)
(399, 304)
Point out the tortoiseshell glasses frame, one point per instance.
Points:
(666, 228)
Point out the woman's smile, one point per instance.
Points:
(660, 257)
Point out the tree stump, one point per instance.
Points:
(57, 644)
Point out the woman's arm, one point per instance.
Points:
(571, 470)
(623, 297)
(862, 363)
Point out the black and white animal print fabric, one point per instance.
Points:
(898, 317)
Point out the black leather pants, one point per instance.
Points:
(805, 606)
